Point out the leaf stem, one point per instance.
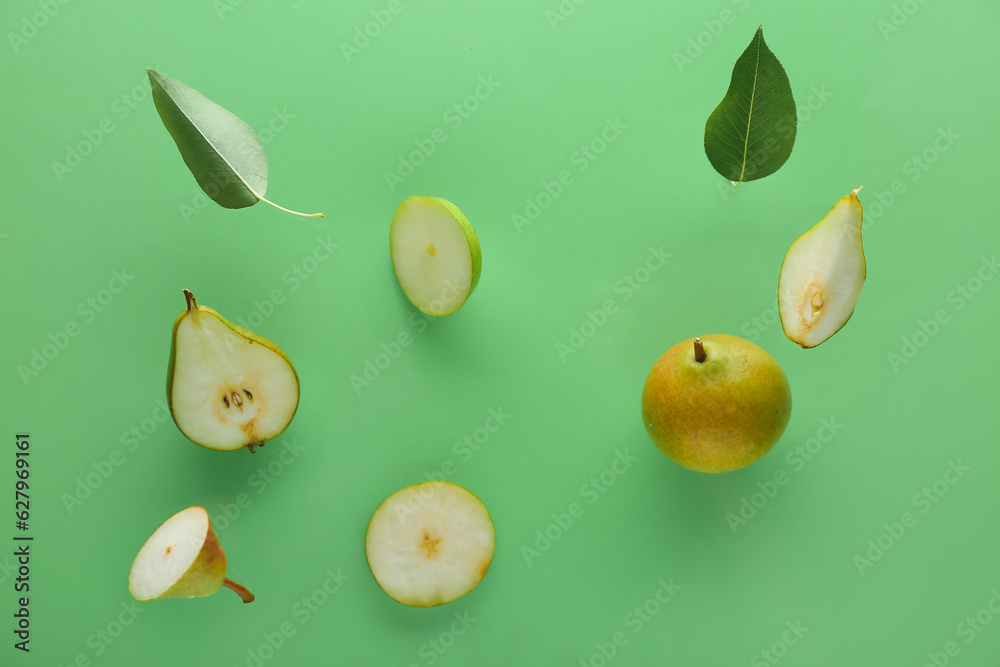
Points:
(288, 210)
(244, 594)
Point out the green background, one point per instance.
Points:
(879, 99)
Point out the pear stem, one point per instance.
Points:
(699, 351)
(192, 304)
(244, 594)
(288, 210)
(855, 191)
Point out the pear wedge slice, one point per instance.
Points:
(429, 543)
(435, 254)
(182, 559)
(227, 387)
(822, 275)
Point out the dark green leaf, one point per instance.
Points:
(752, 131)
(222, 151)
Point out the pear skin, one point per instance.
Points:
(716, 403)
(206, 575)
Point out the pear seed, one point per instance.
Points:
(817, 301)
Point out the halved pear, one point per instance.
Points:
(430, 543)
(822, 275)
(435, 254)
(182, 559)
(227, 387)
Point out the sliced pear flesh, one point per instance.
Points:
(181, 559)
(227, 387)
(430, 543)
(435, 254)
(822, 275)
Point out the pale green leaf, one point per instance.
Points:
(222, 151)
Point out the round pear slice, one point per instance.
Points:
(822, 275)
(435, 254)
(227, 387)
(181, 559)
(429, 544)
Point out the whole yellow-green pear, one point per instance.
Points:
(716, 403)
